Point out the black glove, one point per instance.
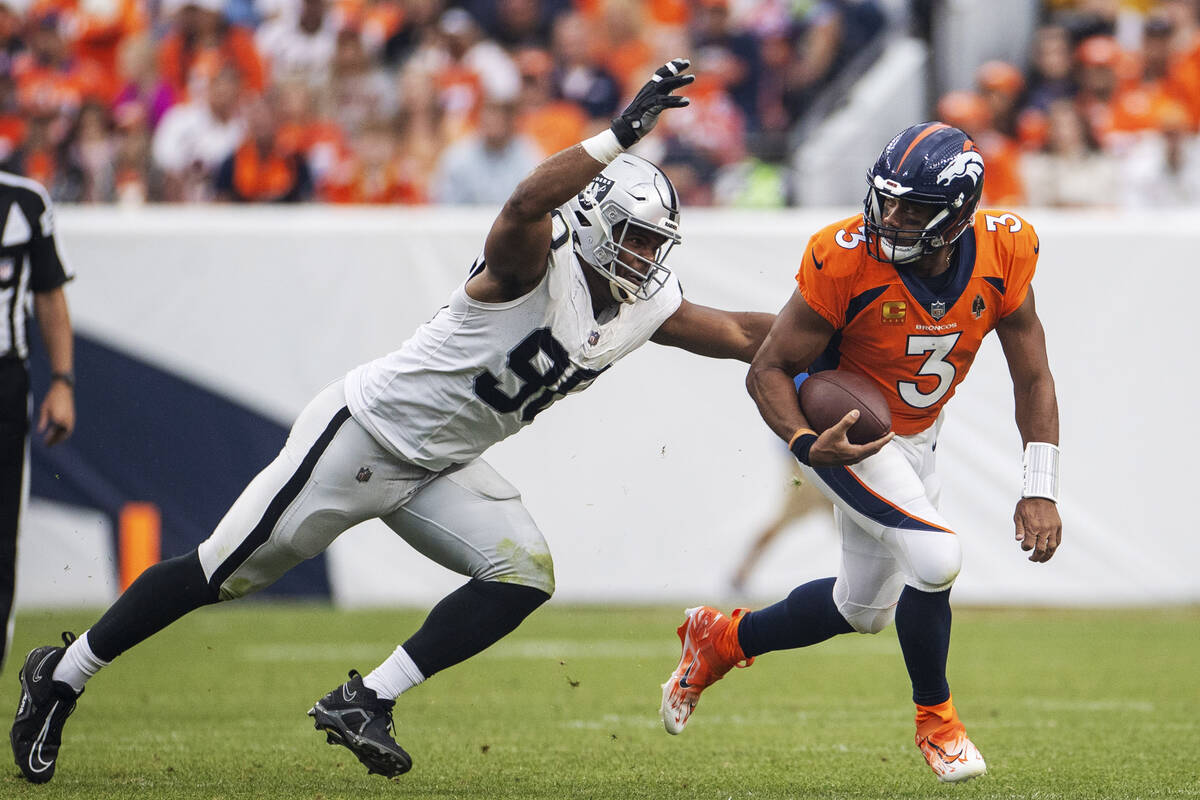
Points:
(641, 115)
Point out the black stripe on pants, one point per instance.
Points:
(279, 503)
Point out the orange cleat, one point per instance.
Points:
(710, 649)
(944, 743)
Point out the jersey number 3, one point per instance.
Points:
(938, 348)
(555, 382)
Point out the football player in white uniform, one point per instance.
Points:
(572, 278)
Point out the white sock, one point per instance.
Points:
(78, 664)
(393, 677)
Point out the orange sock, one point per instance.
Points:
(728, 643)
(941, 718)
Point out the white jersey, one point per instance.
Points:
(478, 372)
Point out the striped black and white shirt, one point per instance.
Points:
(30, 260)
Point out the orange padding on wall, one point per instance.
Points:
(140, 540)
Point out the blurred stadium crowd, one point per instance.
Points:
(419, 101)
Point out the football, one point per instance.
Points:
(826, 397)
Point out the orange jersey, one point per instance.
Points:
(916, 344)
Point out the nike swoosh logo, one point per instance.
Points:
(37, 671)
(36, 762)
(819, 264)
(1037, 245)
(348, 695)
(683, 684)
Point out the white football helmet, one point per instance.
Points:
(629, 193)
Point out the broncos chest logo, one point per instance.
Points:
(968, 164)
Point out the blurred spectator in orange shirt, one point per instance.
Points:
(1097, 59)
(199, 43)
(1000, 84)
(1138, 107)
(303, 129)
(579, 73)
(466, 69)
(41, 159)
(144, 93)
(554, 124)
(95, 29)
(628, 54)
(263, 170)
(1183, 76)
(379, 173)
(53, 82)
(377, 21)
(1001, 154)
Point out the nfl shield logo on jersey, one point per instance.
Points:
(937, 309)
(363, 475)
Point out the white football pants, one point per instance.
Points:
(892, 533)
(332, 475)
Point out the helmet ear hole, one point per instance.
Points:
(584, 221)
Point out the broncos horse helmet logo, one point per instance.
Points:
(966, 164)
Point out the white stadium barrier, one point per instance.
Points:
(650, 484)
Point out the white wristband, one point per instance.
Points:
(1040, 466)
(603, 147)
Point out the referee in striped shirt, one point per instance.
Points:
(32, 274)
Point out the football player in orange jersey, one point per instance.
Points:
(903, 293)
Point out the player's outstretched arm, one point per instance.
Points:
(798, 336)
(714, 332)
(1038, 525)
(519, 241)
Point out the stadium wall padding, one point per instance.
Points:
(202, 332)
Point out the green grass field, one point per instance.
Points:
(1063, 704)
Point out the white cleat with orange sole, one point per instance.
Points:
(702, 663)
(953, 758)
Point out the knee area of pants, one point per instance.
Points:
(524, 567)
(868, 620)
(936, 578)
(936, 570)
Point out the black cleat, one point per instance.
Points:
(44, 707)
(356, 718)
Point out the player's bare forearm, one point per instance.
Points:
(519, 240)
(774, 392)
(552, 183)
(794, 341)
(1037, 410)
(54, 320)
(715, 333)
(1024, 341)
(56, 417)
